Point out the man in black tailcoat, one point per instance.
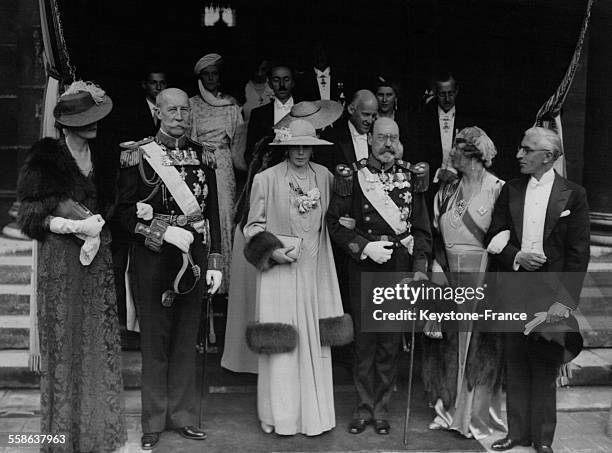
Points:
(540, 237)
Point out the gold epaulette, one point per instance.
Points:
(343, 180)
(420, 176)
(208, 156)
(130, 153)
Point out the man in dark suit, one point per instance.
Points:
(350, 137)
(146, 122)
(540, 225)
(322, 80)
(263, 119)
(437, 125)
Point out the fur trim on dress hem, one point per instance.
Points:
(271, 337)
(336, 331)
(259, 249)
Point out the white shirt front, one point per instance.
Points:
(324, 83)
(280, 109)
(534, 213)
(447, 126)
(152, 108)
(360, 142)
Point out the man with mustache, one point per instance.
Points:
(262, 121)
(350, 138)
(540, 237)
(169, 203)
(378, 216)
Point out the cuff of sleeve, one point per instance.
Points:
(215, 262)
(154, 234)
(515, 264)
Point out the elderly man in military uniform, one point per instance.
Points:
(169, 202)
(378, 215)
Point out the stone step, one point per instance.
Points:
(592, 367)
(15, 275)
(596, 329)
(15, 247)
(14, 304)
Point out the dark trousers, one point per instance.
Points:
(120, 258)
(531, 390)
(376, 353)
(168, 336)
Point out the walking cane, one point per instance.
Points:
(407, 415)
(202, 348)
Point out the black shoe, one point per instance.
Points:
(544, 449)
(148, 441)
(191, 432)
(507, 443)
(382, 427)
(358, 425)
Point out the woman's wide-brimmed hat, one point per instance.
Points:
(299, 132)
(318, 113)
(83, 103)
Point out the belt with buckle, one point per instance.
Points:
(181, 220)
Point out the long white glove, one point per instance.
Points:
(89, 227)
(213, 279)
(88, 230)
(179, 237)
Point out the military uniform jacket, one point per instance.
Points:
(406, 184)
(140, 183)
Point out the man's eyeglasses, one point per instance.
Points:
(528, 150)
(384, 137)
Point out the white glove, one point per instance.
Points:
(498, 243)
(89, 227)
(378, 252)
(213, 280)
(538, 318)
(89, 250)
(144, 211)
(179, 237)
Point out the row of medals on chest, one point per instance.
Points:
(182, 158)
(389, 182)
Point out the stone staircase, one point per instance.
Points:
(593, 367)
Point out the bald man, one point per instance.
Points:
(380, 230)
(350, 138)
(168, 203)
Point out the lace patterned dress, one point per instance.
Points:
(219, 126)
(80, 347)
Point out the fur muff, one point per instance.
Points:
(336, 331)
(271, 337)
(259, 250)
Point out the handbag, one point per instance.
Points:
(292, 241)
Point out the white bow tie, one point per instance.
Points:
(533, 183)
(360, 136)
(322, 73)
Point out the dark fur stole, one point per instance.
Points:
(47, 177)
